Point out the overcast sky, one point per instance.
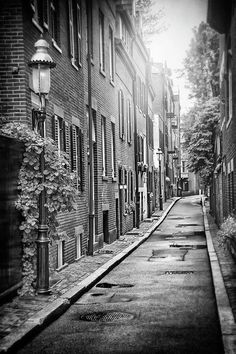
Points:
(171, 45)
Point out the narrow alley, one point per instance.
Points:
(160, 299)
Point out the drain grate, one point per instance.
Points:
(179, 272)
(106, 316)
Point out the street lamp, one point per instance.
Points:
(159, 153)
(41, 63)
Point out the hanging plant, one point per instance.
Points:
(59, 187)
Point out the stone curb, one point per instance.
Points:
(226, 318)
(60, 305)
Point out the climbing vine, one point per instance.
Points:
(59, 187)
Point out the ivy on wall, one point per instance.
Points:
(59, 187)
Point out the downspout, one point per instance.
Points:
(91, 167)
(137, 199)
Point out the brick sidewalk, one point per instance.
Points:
(16, 314)
(227, 264)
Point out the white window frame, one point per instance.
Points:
(78, 244)
(104, 156)
(113, 144)
(101, 42)
(111, 54)
(60, 250)
(230, 87)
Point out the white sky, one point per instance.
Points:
(171, 45)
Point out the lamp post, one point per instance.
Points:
(41, 63)
(159, 153)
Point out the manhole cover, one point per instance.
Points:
(108, 316)
(179, 272)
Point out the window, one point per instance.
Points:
(101, 42)
(75, 28)
(46, 17)
(35, 126)
(125, 36)
(113, 151)
(90, 21)
(126, 185)
(131, 186)
(111, 54)
(60, 132)
(54, 15)
(150, 131)
(140, 149)
(104, 143)
(60, 254)
(129, 122)
(230, 101)
(139, 93)
(184, 166)
(40, 13)
(77, 150)
(121, 114)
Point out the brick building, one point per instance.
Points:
(166, 110)
(99, 111)
(222, 18)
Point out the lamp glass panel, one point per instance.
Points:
(41, 79)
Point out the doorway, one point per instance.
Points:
(105, 226)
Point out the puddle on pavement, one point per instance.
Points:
(189, 247)
(168, 255)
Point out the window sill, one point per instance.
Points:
(62, 267)
(74, 66)
(37, 25)
(102, 72)
(91, 60)
(54, 43)
(228, 123)
(105, 178)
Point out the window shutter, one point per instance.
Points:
(123, 115)
(56, 130)
(66, 138)
(120, 112)
(81, 159)
(74, 155)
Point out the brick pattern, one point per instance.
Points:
(68, 100)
